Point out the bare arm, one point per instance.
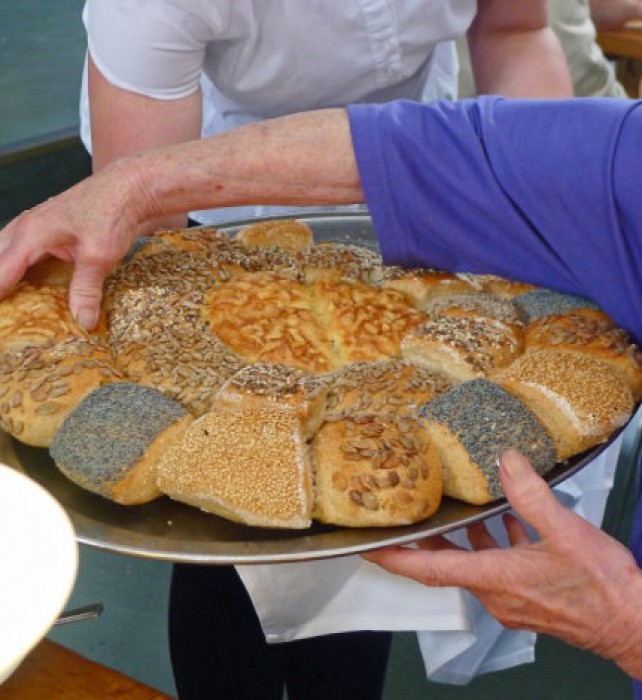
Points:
(299, 159)
(123, 123)
(514, 53)
(575, 583)
(610, 14)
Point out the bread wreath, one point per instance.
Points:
(333, 378)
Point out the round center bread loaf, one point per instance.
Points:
(272, 380)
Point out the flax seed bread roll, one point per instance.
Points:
(393, 386)
(41, 384)
(264, 384)
(580, 400)
(463, 348)
(249, 465)
(375, 470)
(110, 443)
(591, 333)
(472, 425)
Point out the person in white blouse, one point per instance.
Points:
(163, 72)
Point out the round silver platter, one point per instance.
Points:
(168, 530)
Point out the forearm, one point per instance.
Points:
(535, 66)
(304, 159)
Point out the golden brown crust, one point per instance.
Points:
(375, 470)
(425, 285)
(591, 333)
(265, 326)
(40, 385)
(249, 465)
(462, 347)
(388, 386)
(287, 234)
(33, 315)
(580, 401)
(263, 384)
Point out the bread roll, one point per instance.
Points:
(249, 465)
(375, 470)
(264, 384)
(594, 334)
(479, 305)
(581, 401)
(40, 385)
(395, 386)
(424, 285)
(158, 332)
(34, 315)
(332, 262)
(500, 286)
(547, 302)
(287, 234)
(110, 443)
(472, 425)
(463, 348)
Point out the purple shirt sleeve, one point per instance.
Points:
(546, 192)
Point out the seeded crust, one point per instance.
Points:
(160, 339)
(422, 286)
(249, 465)
(375, 470)
(461, 347)
(110, 443)
(502, 287)
(40, 385)
(472, 426)
(591, 333)
(479, 305)
(547, 302)
(388, 386)
(580, 400)
(264, 384)
(264, 322)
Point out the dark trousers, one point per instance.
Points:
(218, 650)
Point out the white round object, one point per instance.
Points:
(38, 561)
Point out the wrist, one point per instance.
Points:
(624, 636)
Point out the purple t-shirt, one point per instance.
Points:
(548, 192)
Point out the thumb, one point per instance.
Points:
(85, 294)
(529, 495)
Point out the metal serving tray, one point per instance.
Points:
(168, 530)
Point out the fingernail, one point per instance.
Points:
(87, 318)
(514, 464)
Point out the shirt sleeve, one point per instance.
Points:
(151, 47)
(540, 191)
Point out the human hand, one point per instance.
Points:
(92, 225)
(575, 583)
(610, 14)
